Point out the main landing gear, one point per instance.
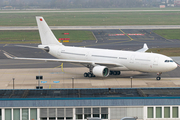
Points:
(115, 73)
(159, 76)
(89, 74)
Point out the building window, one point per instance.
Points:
(33, 114)
(166, 112)
(95, 112)
(8, 114)
(158, 112)
(60, 113)
(175, 112)
(60, 118)
(69, 118)
(87, 113)
(79, 113)
(16, 114)
(52, 114)
(25, 114)
(150, 112)
(104, 113)
(69, 113)
(52, 118)
(43, 113)
(0, 115)
(43, 118)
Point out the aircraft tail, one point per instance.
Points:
(46, 35)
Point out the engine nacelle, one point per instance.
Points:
(101, 71)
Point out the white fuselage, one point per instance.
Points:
(135, 61)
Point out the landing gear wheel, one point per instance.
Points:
(118, 72)
(90, 75)
(86, 75)
(158, 78)
(111, 73)
(115, 73)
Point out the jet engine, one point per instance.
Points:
(101, 71)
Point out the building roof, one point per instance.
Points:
(91, 93)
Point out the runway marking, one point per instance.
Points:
(5, 45)
(126, 34)
(60, 66)
(135, 34)
(115, 34)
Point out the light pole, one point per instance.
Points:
(72, 82)
(131, 81)
(13, 82)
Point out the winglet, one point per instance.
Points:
(144, 49)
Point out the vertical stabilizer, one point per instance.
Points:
(46, 35)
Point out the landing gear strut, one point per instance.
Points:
(159, 76)
(90, 73)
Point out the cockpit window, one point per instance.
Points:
(168, 61)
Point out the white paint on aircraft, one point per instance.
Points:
(101, 62)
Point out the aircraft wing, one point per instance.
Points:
(65, 60)
(144, 49)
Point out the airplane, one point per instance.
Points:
(101, 62)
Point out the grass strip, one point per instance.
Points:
(28, 36)
(92, 18)
(169, 34)
(166, 51)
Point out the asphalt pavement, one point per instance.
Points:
(106, 39)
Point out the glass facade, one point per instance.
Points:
(175, 112)
(16, 114)
(96, 112)
(150, 112)
(104, 113)
(158, 112)
(25, 114)
(33, 114)
(166, 112)
(8, 115)
(87, 113)
(79, 113)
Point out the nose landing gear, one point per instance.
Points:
(159, 76)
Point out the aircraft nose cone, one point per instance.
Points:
(174, 66)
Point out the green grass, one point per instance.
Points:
(24, 37)
(92, 18)
(169, 34)
(166, 51)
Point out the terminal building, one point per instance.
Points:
(79, 104)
